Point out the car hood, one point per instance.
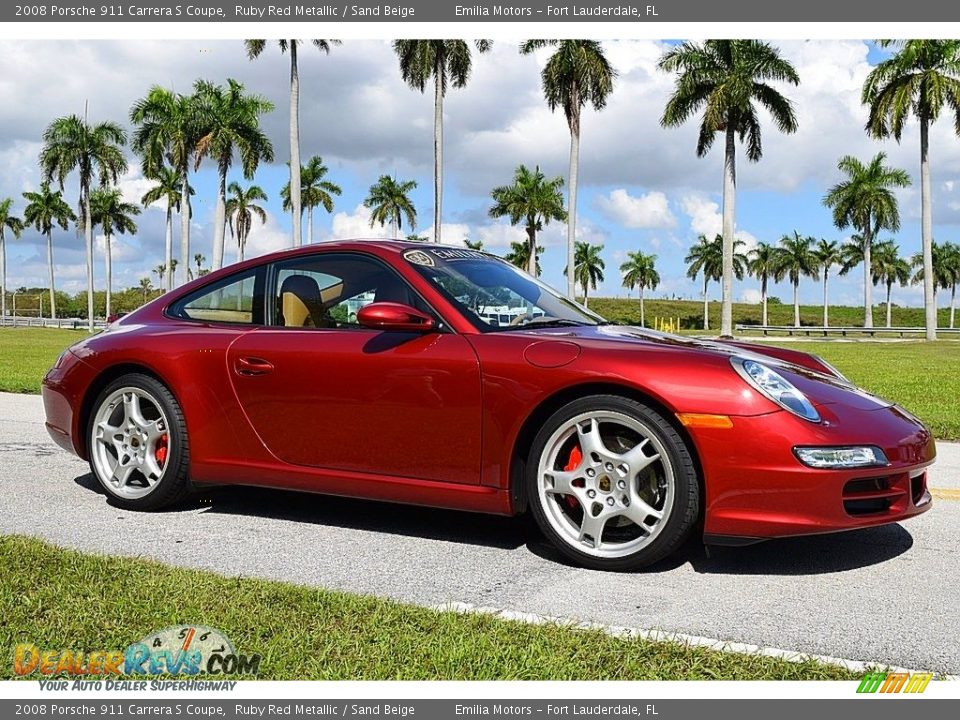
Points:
(808, 373)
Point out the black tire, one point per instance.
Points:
(686, 504)
(174, 484)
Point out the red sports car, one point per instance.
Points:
(442, 376)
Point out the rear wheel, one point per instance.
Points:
(612, 484)
(138, 443)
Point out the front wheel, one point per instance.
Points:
(612, 484)
(138, 443)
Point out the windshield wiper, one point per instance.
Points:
(543, 322)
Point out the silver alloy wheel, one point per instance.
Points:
(127, 431)
(625, 492)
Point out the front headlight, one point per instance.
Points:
(776, 387)
(841, 457)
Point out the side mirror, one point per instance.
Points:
(394, 316)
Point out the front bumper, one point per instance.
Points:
(756, 488)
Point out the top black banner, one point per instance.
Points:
(446, 11)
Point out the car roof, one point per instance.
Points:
(391, 246)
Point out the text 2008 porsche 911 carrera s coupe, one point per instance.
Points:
(442, 376)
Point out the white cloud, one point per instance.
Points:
(751, 296)
(356, 224)
(644, 211)
(706, 219)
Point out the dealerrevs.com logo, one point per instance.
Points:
(179, 650)
(895, 682)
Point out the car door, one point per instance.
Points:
(321, 391)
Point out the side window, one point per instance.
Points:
(238, 299)
(328, 290)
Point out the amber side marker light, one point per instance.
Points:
(700, 420)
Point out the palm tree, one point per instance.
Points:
(114, 216)
(447, 62)
(254, 49)
(576, 75)
(889, 268)
(922, 79)
(532, 200)
(728, 78)
(8, 221)
(169, 187)
(941, 275)
(827, 254)
(639, 271)
(146, 287)
(762, 265)
(865, 201)
(46, 208)
(706, 257)
(793, 260)
(241, 209)
(71, 143)
(314, 191)
(229, 122)
(589, 266)
(951, 272)
(167, 132)
(389, 202)
(161, 271)
(474, 244)
(199, 259)
(519, 256)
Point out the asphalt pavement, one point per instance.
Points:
(886, 595)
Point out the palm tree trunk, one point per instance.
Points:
(168, 240)
(53, 296)
(532, 250)
(572, 203)
(889, 306)
(184, 230)
(763, 300)
(295, 143)
(867, 279)
(953, 302)
(437, 152)
(796, 304)
(310, 225)
(585, 288)
(395, 224)
(826, 303)
(219, 222)
(643, 322)
(926, 223)
(3, 277)
(241, 246)
(729, 206)
(109, 268)
(706, 306)
(88, 232)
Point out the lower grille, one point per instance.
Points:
(875, 496)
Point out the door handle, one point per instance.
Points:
(251, 366)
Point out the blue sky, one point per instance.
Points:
(642, 187)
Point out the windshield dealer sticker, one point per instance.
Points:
(418, 257)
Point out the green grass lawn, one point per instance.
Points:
(55, 599)
(27, 353)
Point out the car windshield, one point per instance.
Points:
(493, 294)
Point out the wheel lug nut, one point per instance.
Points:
(621, 484)
(591, 472)
(591, 493)
(610, 501)
(608, 466)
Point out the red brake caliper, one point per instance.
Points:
(573, 462)
(161, 452)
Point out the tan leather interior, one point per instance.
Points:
(301, 303)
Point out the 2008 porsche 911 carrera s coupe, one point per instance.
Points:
(443, 376)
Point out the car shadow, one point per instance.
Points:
(811, 555)
(494, 531)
